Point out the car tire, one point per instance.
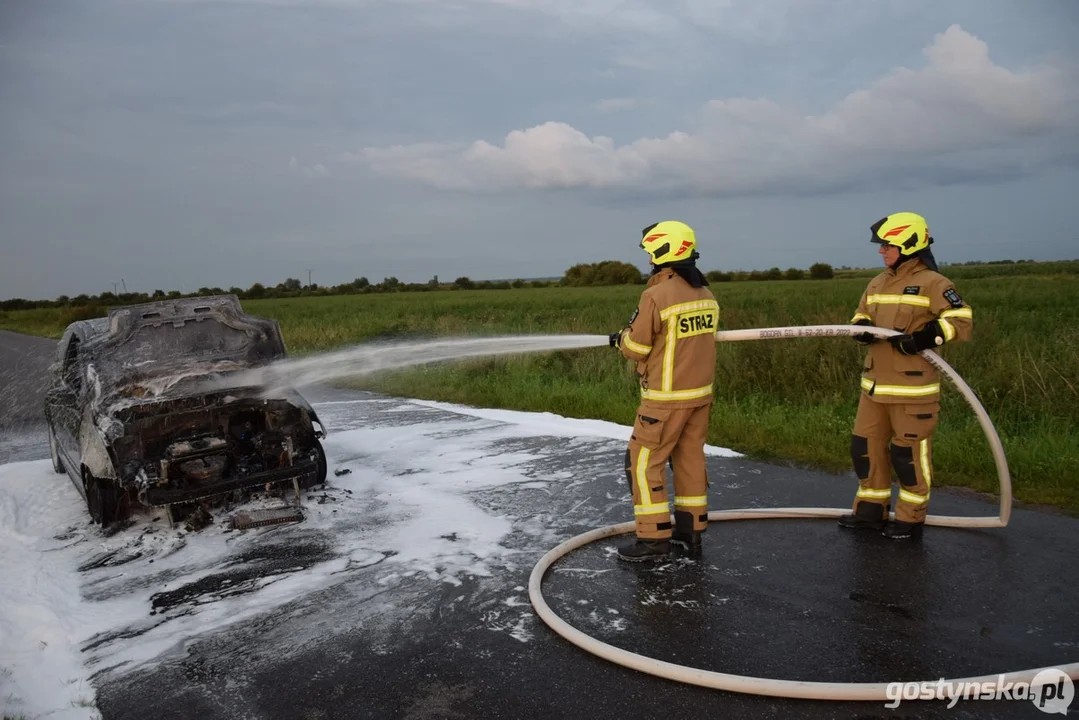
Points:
(323, 468)
(101, 499)
(54, 450)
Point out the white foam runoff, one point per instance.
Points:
(41, 609)
(416, 506)
(375, 357)
(557, 425)
(434, 491)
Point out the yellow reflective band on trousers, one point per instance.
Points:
(636, 347)
(927, 469)
(690, 394)
(913, 498)
(691, 500)
(927, 475)
(900, 390)
(646, 507)
(886, 299)
(870, 494)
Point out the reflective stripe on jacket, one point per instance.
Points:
(672, 338)
(907, 300)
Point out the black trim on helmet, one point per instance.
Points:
(662, 250)
(873, 237)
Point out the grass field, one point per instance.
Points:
(791, 400)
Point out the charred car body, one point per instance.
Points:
(163, 404)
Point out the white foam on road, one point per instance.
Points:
(41, 609)
(409, 509)
(558, 425)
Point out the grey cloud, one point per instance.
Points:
(960, 102)
(154, 141)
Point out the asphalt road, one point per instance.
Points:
(800, 600)
(24, 361)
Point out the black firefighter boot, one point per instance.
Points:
(868, 516)
(683, 534)
(899, 530)
(641, 550)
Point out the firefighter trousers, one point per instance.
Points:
(662, 434)
(899, 437)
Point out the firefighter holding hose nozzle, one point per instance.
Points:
(900, 401)
(671, 337)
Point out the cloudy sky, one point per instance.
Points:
(188, 143)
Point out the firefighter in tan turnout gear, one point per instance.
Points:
(900, 400)
(671, 338)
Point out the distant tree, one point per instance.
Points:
(158, 294)
(257, 290)
(292, 284)
(794, 274)
(718, 276)
(821, 271)
(773, 274)
(607, 272)
(518, 283)
(463, 283)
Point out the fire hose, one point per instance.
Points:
(769, 686)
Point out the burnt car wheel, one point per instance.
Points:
(102, 500)
(54, 450)
(323, 468)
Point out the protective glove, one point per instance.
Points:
(865, 338)
(615, 338)
(913, 343)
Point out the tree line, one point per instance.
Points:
(607, 272)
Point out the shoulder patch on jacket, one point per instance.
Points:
(953, 298)
(911, 289)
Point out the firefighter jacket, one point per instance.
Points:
(906, 299)
(671, 336)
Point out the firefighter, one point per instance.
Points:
(671, 338)
(900, 400)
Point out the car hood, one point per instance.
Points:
(201, 384)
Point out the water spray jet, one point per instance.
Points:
(370, 358)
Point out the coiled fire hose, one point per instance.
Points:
(768, 686)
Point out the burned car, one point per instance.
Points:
(163, 405)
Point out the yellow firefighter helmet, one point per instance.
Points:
(669, 241)
(905, 230)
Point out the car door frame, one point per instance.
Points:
(62, 400)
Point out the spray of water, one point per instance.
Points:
(370, 358)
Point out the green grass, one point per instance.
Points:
(791, 400)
